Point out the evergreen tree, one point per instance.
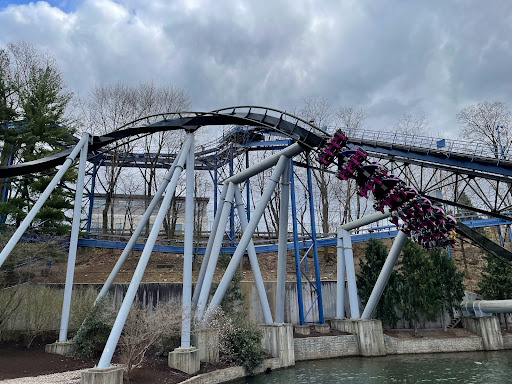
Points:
(375, 256)
(496, 283)
(421, 292)
(450, 280)
(32, 91)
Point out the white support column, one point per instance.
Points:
(351, 274)
(247, 235)
(384, 275)
(282, 245)
(142, 223)
(73, 241)
(208, 250)
(214, 255)
(188, 248)
(113, 338)
(39, 203)
(340, 277)
(253, 258)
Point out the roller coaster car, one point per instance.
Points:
(387, 184)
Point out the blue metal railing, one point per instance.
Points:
(440, 145)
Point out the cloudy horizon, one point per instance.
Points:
(430, 58)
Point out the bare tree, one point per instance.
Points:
(350, 117)
(480, 122)
(410, 125)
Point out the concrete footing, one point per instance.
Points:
(185, 360)
(369, 334)
(277, 341)
(488, 328)
(302, 329)
(64, 348)
(110, 375)
(322, 328)
(206, 340)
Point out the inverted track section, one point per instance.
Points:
(484, 243)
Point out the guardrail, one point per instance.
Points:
(447, 146)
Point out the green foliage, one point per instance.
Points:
(450, 280)
(32, 91)
(93, 335)
(496, 283)
(245, 344)
(421, 294)
(375, 256)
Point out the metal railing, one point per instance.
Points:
(440, 145)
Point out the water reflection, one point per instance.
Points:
(464, 367)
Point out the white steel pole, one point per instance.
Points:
(253, 258)
(140, 227)
(188, 248)
(282, 244)
(214, 255)
(39, 203)
(73, 242)
(351, 274)
(113, 338)
(208, 250)
(247, 235)
(340, 277)
(384, 275)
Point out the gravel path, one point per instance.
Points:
(70, 377)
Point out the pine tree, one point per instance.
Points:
(450, 280)
(421, 292)
(496, 283)
(375, 256)
(33, 92)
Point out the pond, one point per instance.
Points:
(463, 367)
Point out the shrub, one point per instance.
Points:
(239, 340)
(93, 334)
(142, 331)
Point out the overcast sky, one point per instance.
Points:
(391, 57)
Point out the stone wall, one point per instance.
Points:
(324, 347)
(395, 346)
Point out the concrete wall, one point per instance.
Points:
(507, 341)
(325, 347)
(395, 346)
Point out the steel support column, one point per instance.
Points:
(351, 274)
(145, 218)
(318, 281)
(39, 203)
(340, 277)
(214, 254)
(253, 258)
(208, 250)
(117, 328)
(282, 244)
(73, 241)
(247, 235)
(296, 246)
(188, 247)
(91, 195)
(384, 275)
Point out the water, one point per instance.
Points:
(463, 367)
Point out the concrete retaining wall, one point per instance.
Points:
(229, 374)
(325, 347)
(395, 346)
(507, 341)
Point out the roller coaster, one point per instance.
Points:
(388, 169)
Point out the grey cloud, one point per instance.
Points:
(430, 58)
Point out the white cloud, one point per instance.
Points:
(392, 57)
